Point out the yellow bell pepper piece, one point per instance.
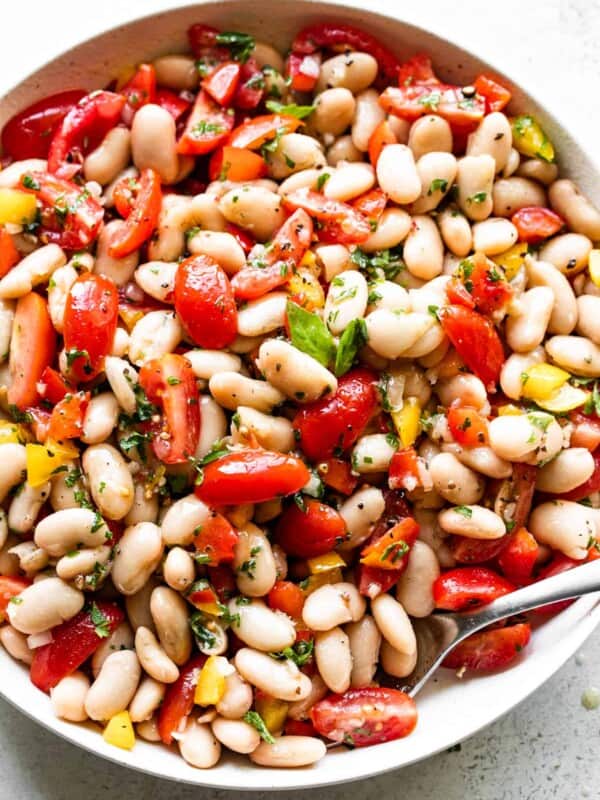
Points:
(306, 286)
(209, 608)
(512, 259)
(17, 207)
(540, 381)
(211, 683)
(315, 582)
(325, 563)
(309, 260)
(529, 138)
(11, 432)
(564, 399)
(273, 712)
(130, 316)
(594, 266)
(42, 460)
(119, 731)
(407, 421)
(509, 410)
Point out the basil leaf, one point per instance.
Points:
(352, 339)
(240, 44)
(292, 110)
(309, 333)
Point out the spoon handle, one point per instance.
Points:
(573, 583)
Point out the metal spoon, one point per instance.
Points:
(439, 633)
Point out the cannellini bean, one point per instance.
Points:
(63, 531)
(253, 562)
(206, 363)
(178, 214)
(157, 279)
(334, 111)
(58, 290)
(183, 518)
(25, 507)
(176, 72)
(198, 745)
(392, 229)
(299, 708)
(15, 644)
(114, 687)
(214, 425)
(261, 628)
(221, 246)
(138, 606)
(388, 295)
(9, 563)
(395, 663)
(568, 201)
(367, 116)
(12, 174)
(394, 624)
(397, 174)
(294, 373)
(352, 70)
(472, 521)
(237, 699)
(273, 433)
(170, 614)
(456, 231)
(430, 134)
(153, 658)
(343, 149)
(360, 512)
(69, 695)
(334, 659)
(148, 730)
(481, 459)
(424, 249)
(44, 605)
(111, 156)
(295, 152)
(3, 528)
(137, 555)
(468, 389)
(335, 258)
(268, 56)
(178, 569)
(305, 179)
(154, 335)
(475, 179)
(144, 507)
(569, 469)
(538, 170)
(122, 378)
(120, 639)
(349, 181)
(236, 734)
(92, 561)
(576, 354)
(512, 194)
(568, 252)
(119, 270)
(289, 751)
(564, 311)
(365, 641)
(372, 453)
(255, 209)
(588, 323)
(263, 315)
(146, 700)
(437, 172)
(281, 679)
(513, 368)
(526, 330)
(32, 559)
(153, 142)
(346, 300)
(494, 235)
(100, 418)
(331, 605)
(493, 137)
(390, 334)
(456, 483)
(414, 590)
(110, 481)
(231, 389)
(35, 268)
(564, 526)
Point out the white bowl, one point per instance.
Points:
(449, 710)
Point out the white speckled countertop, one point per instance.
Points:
(548, 747)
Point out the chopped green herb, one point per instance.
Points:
(100, 622)
(300, 653)
(322, 180)
(240, 44)
(254, 718)
(292, 110)
(464, 511)
(478, 197)
(437, 185)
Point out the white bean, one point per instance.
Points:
(198, 746)
(12, 174)
(280, 679)
(120, 639)
(114, 687)
(65, 530)
(273, 433)
(395, 663)
(493, 137)
(349, 181)
(15, 644)
(564, 311)
(397, 174)
(481, 459)
(170, 614)
(264, 315)
(294, 373)
(513, 368)
(289, 751)
(526, 329)
(430, 134)
(176, 72)
(494, 235)
(146, 700)
(237, 699)
(111, 156)
(221, 246)
(44, 605)
(214, 425)
(456, 231)
(231, 389)
(119, 270)
(178, 569)
(58, 290)
(372, 453)
(157, 278)
(365, 641)
(346, 300)
(261, 628)
(110, 481)
(100, 418)
(35, 268)
(88, 561)
(360, 512)
(343, 149)
(394, 624)
(153, 658)
(576, 354)
(456, 483)
(253, 563)
(206, 363)
(138, 606)
(512, 194)
(391, 334)
(68, 697)
(154, 335)
(137, 555)
(588, 324)
(237, 735)
(424, 249)
(367, 116)
(475, 179)
(295, 152)
(153, 142)
(569, 469)
(334, 111)
(331, 605)
(414, 590)
(334, 659)
(392, 229)
(437, 171)
(564, 526)
(25, 507)
(352, 70)
(568, 201)
(472, 521)
(569, 252)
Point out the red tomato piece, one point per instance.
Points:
(236, 164)
(256, 131)
(559, 564)
(486, 285)
(252, 282)
(28, 134)
(337, 474)
(458, 294)
(40, 421)
(222, 83)
(243, 238)
(381, 136)
(496, 96)
(476, 341)
(330, 35)
(519, 557)
(411, 102)
(251, 476)
(124, 195)
(417, 69)
(403, 472)
(535, 224)
(10, 587)
(178, 702)
(91, 315)
(297, 727)
(32, 349)
(365, 716)
(302, 71)
(340, 222)
(215, 541)
(587, 487)
(223, 581)
(251, 87)
(587, 430)
(139, 90)
(9, 255)
(53, 387)
(372, 205)
(208, 126)
(170, 383)
(66, 419)
(389, 551)
(171, 102)
(309, 531)
(468, 427)
(489, 650)
(142, 218)
(205, 303)
(70, 216)
(73, 643)
(475, 551)
(287, 597)
(469, 587)
(82, 129)
(333, 424)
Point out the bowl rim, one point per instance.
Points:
(584, 613)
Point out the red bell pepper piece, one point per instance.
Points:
(488, 650)
(476, 341)
(179, 699)
(496, 96)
